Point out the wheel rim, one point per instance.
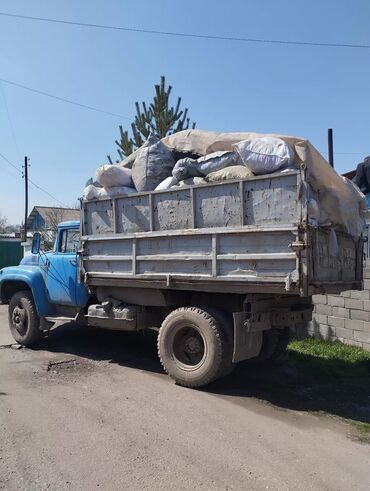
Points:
(20, 319)
(189, 347)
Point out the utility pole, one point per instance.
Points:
(25, 175)
(330, 147)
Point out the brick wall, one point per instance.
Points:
(345, 317)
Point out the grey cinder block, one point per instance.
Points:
(335, 301)
(351, 303)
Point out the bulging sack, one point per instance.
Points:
(187, 167)
(166, 183)
(232, 172)
(265, 155)
(110, 176)
(154, 162)
(90, 192)
(216, 161)
(115, 191)
(191, 181)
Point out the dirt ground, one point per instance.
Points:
(91, 409)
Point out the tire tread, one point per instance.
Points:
(33, 334)
(218, 336)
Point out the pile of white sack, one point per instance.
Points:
(154, 167)
(195, 157)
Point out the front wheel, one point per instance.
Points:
(24, 322)
(192, 346)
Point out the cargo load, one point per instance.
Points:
(337, 202)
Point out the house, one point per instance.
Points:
(44, 219)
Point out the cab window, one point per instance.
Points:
(70, 241)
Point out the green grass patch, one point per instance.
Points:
(337, 377)
(362, 431)
(329, 358)
(322, 377)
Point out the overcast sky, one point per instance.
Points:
(228, 86)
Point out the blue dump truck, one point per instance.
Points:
(222, 271)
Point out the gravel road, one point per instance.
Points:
(91, 409)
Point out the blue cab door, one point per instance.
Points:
(61, 269)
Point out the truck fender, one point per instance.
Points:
(17, 278)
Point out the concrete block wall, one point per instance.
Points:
(345, 317)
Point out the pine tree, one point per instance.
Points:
(159, 118)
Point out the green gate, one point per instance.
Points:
(11, 252)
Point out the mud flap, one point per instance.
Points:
(247, 343)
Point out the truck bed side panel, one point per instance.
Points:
(235, 236)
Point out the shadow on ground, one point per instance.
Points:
(304, 383)
(298, 382)
(130, 349)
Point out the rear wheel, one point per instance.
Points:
(192, 346)
(226, 324)
(274, 344)
(23, 319)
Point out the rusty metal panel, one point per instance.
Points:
(272, 201)
(133, 214)
(99, 217)
(278, 241)
(200, 254)
(175, 245)
(238, 236)
(218, 206)
(333, 266)
(108, 248)
(172, 210)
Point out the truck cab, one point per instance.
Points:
(46, 288)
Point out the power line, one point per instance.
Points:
(188, 35)
(5, 169)
(58, 98)
(10, 82)
(10, 163)
(10, 120)
(350, 153)
(32, 182)
(346, 153)
(46, 192)
(15, 141)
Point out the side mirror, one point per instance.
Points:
(36, 241)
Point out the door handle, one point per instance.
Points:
(73, 262)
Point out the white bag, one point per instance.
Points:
(166, 183)
(171, 182)
(191, 181)
(115, 191)
(90, 192)
(110, 176)
(264, 155)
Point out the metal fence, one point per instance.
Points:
(11, 253)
